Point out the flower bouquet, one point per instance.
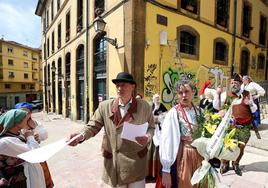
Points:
(214, 138)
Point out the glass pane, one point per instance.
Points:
(187, 43)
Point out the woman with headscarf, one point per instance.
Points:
(256, 92)
(40, 134)
(16, 138)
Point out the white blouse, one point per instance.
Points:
(12, 146)
(171, 135)
(254, 89)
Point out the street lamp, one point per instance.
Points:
(99, 26)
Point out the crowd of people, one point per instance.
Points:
(164, 154)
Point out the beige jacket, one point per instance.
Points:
(124, 161)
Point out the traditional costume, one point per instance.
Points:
(154, 165)
(175, 145)
(256, 91)
(242, 120)
(13, 169)
(42, 135)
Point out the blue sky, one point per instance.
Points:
(19, 23)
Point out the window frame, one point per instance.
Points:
(26, 76)
(53, 42)
(7, 86)
(25, 64)
(80, 15)
(192, 31)
(59, 35)
(25, 53)
(258, 62)
(187, 11)
(246, 3)
(98, 5)
(68, 26)
(11, 74)
(10, 50)
(265, 32)
(216, 14)
(10, 62)
(217, 61)
(52, 10)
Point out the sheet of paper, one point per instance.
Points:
(131, 131)
(44, 153)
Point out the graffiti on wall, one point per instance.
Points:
(150, 81)
(170, 77)
(215, 74)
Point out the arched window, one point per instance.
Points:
(59, 73)
(53, 87)
(220, 51)
(188, 42)
(99, 70)
(80, 82)
(68, 96)
(261, 60)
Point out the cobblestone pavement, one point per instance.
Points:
(81, 166)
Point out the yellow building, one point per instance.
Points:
(204, 40)
(78, 64)
(20, 74)
(158, 41)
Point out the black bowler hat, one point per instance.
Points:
(124, 77)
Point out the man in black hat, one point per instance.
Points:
(242, 115)
(125, 161)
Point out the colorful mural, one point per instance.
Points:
(170, 77)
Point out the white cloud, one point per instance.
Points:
(19, 23)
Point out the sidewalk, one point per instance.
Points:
(263, 142)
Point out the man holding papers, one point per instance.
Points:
(125, 159)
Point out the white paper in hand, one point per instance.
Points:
(131, 131)
(44, 153)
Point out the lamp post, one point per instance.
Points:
(99, 26)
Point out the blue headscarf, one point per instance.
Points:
(24, 105)
(11, 118)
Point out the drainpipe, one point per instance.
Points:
(234, 38)
(45, 76)
(87, 48)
